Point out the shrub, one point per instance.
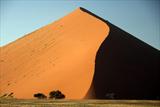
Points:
(56, 95)
(40, 96)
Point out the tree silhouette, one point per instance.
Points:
(40, 96)
(56, 95)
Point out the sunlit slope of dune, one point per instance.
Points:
(60, 56)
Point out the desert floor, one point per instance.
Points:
(78, 103)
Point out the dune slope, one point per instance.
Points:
(60, 56)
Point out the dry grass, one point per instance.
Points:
(78, 103)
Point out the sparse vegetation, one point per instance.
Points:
(40, 96)
(52, 95)
(77, 103)
(56, 95)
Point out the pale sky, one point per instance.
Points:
(140, 18)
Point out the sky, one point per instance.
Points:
(140, 18)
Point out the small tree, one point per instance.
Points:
(56, 95)
(40, 96)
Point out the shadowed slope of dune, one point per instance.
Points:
(60, 56)
(126, 67)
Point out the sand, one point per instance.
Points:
(59, 56)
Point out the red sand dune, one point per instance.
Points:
(60, 56)
(84, 56)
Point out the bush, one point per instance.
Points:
(56, 95)
(40, 96)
